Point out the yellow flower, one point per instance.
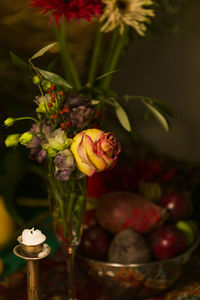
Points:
(95, 150)
(126, 12)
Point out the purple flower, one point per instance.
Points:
(81, 116)
(64, 164)
(35, 143)
(38, 154)
(36, 151)
(74, 100)
(63, 174)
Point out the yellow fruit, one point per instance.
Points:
(1, 266)
(7, 225)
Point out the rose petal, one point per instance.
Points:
(95, 159)
(94, 134)
(77, 148)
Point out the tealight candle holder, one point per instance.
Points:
(32, 254)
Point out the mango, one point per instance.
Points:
(121, 210)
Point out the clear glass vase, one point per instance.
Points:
(67, 205)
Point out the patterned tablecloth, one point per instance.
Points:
(53, 279)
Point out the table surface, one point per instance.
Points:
(53, 278)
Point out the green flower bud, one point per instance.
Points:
(26, 138)
(52, 152)
(12, 140)
(46, 84)
(36, 79)
(9, 122)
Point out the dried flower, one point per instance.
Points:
(64, 164)
(77, 9)
(126, 12)
(38, 154)
(75, 100)
(81, 116)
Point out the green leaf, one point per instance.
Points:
(17, 60)
(162, 106)
(106, 74)
(160, 118)
(43, 50)
(122, 116)
(56, 79)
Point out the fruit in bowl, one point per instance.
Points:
(167, 242)
(178, 205)
(121, 210)
(146, 249)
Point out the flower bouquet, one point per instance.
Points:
(65, 136)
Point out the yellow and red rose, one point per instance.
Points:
(95, 150)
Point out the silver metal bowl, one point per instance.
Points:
(127, 281)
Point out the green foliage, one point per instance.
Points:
(56, 79)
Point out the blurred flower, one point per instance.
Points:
(9, 122)
(95, 151)
(57, 140)
(81, 116)
(64, 164)
(42, 101)
(78, 9)
(12, 140)
(36, 151)
(38, 154)
(126, 12)
(75, 100)
(26, 138)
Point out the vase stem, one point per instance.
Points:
(71, 272)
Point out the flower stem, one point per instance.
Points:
(68, 65)
(95, 56)
(116, 51)
(27, 118)
(110, 51)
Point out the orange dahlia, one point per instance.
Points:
(78, 9)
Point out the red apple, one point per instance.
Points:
(178, 205)
(94, 243)
(167, 242)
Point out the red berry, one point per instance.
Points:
(66, 109)
(49, 104)
(63, 125)
(52, 87)
(68, 123)
(61, 93)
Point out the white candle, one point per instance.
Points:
(31, 237)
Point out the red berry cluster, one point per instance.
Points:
(58, 116)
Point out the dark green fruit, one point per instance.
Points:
(129, 247)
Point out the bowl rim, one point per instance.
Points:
(153, 263)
